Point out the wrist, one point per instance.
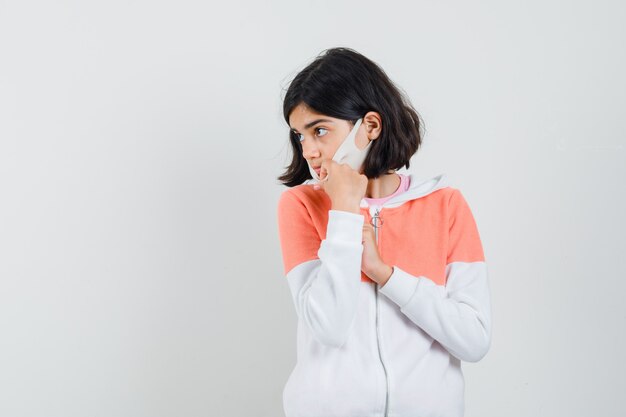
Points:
(382, 274)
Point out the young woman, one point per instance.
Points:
(386, 270)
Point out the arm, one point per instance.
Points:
(457, 315)
(323, 276)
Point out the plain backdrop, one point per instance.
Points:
(140, 145)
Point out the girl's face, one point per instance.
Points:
(321, 135)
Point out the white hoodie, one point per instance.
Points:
(391, 351)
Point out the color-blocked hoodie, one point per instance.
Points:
(363, 354)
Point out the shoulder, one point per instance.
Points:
(449, 195)
(456, 198)
(303, 196)
(459, 213)
(448, 200)
(440, 199)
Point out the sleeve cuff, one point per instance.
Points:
(400, 286)
(345, 226)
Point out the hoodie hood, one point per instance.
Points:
(418, 187)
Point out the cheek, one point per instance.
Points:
(330, 150)
(326, 150)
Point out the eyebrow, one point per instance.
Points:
(313, 123)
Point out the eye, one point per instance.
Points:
(321, 128)
(298, 135)
(317, 129)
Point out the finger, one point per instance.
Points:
(323, 173)
(325, 167)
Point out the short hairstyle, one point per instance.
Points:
(344, 84)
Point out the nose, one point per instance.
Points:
(309, 149)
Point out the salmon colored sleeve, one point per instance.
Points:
(457, 314)
(463, 240)
(324, 276)
(299, 240)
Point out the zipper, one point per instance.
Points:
(377, 222)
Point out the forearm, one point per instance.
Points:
(326, 291)
(458, 317)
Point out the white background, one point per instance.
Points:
(140, 141)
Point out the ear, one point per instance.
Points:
(373, 125)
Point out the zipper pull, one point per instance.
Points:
(377, 221)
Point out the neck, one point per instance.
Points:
(383, 186)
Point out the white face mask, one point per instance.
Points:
(348, 153)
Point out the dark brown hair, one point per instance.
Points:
(344, 84)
